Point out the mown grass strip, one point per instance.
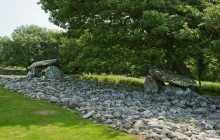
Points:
(23, 118)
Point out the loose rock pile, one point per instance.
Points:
(155, 116)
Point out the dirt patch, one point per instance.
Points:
(45, 112)
(140, 137)
(4, 97)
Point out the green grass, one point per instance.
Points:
(210, 88)
(115, 79)
(22, 118)
(13, 68)
(16, 76)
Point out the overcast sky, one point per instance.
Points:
(14, 13)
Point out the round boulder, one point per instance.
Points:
(52, 72)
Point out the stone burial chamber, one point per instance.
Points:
(177, 84)
(52, 71)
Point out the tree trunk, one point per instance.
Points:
(182, 69)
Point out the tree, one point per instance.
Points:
(137, 34)
(6, 49)
(33, 43)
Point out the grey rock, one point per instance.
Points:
(150, 85)
(161, 118)
(203, 104)
(89, 114)
(139, 125)
(54, 99)
(21, 91)
(127, 125)
(195, 132)
(147, 114)
(188, 133)
(29, 75)
(107, 103)
(213, 132)
(170, 134)
(184, 128)
(45, 63)
(217, 125)
(169, 77)
(202, 136)
(157, 130)
(181, 136)
(108, 121)
(97, 116)
(108, 116)
(173, 90)
(208, 126)
(133, 131)
(112, 126)
(212, 107)
(52, 72)
(200, 111)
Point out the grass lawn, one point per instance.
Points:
(23, 118)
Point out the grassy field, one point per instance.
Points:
(22, 118)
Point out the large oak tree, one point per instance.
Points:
(134, 35)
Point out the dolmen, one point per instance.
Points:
(52, 71)
(165, 81)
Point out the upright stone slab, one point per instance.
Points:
(52, 72)
(150, 85)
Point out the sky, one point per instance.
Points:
(14, 13)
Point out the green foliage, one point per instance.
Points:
(23, 118)
(212, 18)
(6, 51)
(29, 44)
(126, 35)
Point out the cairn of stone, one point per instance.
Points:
(51, 66)
(177, 84)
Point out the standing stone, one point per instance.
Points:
(52, 72)
(150, 85)
(29, 75)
